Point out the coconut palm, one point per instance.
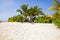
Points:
(34, 11)
(31, 12)
(23, 11)
(55, 6)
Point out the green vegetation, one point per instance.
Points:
(35, 14)
(29, 12)
(23, 11)
(56, 17)
(43, 19)
(17, 18)
(57, 22)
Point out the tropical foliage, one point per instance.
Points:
(35, 14)
(56, 17)
(23, 11)
(55, 6)
(57, 22)
(53, 16)
(17, 18)
(43, 19)
(31, 12)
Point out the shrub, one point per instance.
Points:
(53, 16)
(57, 22)
(17, 18)
(43, 20)
(38, 20)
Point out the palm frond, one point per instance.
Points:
(18, 10)
(24, 7)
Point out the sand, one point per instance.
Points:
(28, 31)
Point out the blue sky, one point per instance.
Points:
(8, 7)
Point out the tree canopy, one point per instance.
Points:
(31, 12)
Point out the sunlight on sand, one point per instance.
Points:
(28, 31)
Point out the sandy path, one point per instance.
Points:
(28, 31)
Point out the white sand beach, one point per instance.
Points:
(28, 31)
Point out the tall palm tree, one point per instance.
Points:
(23, 11)
(34, 11)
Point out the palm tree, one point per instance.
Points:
(55, 6)
(23, 11)
(31, 12)
(34, 11)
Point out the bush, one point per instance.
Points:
(39, 20)
(57, 22)
(17, 18)
(43, 20)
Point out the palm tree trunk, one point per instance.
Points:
(31, 19)
(24, 19)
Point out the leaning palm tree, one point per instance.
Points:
(34, 11)
(55, 6)
(23, 11)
